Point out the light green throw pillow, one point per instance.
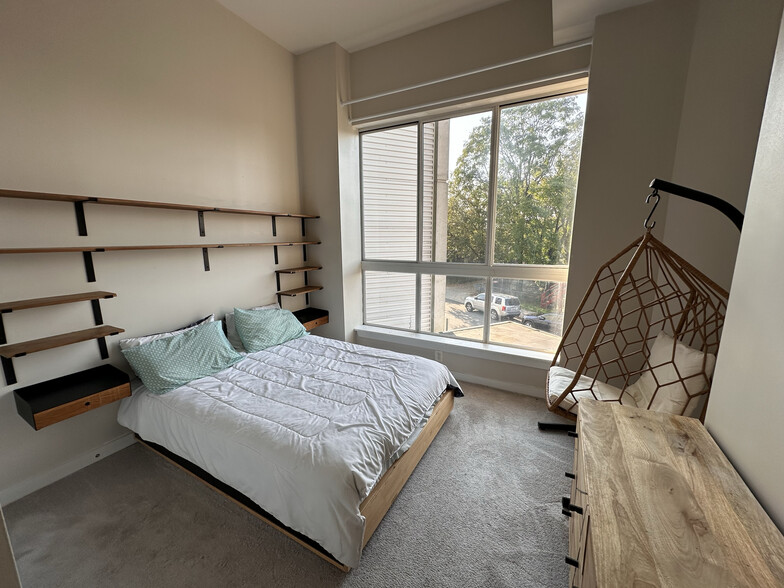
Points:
(166, 364)
(260, 329)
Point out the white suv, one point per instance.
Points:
(503, 305)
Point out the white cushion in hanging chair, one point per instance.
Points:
(670, 393)
(560, 378)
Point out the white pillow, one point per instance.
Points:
(667, 354)
(560, 378)
(136, 341)
(231, 329)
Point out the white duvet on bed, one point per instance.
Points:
(304, 429)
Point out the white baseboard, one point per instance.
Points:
(525, 389)
(25, 487)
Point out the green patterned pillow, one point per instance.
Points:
(260, 329)
(166, 364)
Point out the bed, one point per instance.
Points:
(320, 434)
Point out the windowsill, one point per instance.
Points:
(525, 357)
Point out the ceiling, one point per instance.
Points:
(302, 25)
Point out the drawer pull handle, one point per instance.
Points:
(566, 513)
(572, 562)
(87, 403)
(572, 434)
(570, 475)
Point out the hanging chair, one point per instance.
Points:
(646, 334)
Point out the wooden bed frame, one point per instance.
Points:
(373, 508)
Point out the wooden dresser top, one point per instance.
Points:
(666, 506)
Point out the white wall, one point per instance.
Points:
(729, 70)
(171, 101)
(746, 409)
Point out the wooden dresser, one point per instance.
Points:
(655, 502)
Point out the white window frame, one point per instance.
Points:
(487, 270)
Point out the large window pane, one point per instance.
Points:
(527, 313)
(538, 158)
(446, 300)
(456, 184)
(389, 193)
(390, 300)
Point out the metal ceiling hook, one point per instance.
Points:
(654, 194)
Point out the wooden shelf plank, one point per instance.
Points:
(42, 196)
(35, 345)
(53, 300)
(149, 204)
(297, 270)
(144, 203)
(97, 249)
(298, 291)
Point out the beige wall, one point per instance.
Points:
(172, 101)
(329, 176)
(635, 96)
(729, 69)
(746, 408)
(502, 33)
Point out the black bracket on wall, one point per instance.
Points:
(8, 371)
(202, 232)
(81, 223)
(89, 268)
(206, 255)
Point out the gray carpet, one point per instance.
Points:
(481, 509)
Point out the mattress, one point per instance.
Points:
(305, 429)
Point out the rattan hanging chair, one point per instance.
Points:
(646, 334)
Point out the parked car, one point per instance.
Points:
(546, 322)
(503, 306)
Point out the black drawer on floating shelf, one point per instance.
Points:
(312, 317)
(50, 402)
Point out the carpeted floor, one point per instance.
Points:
(481, 509)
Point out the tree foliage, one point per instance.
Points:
(539, 151)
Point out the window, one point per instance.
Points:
(467, 222)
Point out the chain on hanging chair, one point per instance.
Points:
(645, 334)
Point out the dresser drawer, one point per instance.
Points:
(310, 325)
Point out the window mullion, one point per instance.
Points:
(491, 208)
(420, 221)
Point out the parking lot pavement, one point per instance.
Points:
(469, 325)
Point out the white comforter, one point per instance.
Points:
(305, 429)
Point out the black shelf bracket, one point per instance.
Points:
(277, 280)
(205, 254)
(81, 223)
(89, 268)
(274, 227)
(96, 304)
(303, 226)
(102, 347)
(3, 340)
(304, 253)
(202, 232)
(8, 370)
(275, 250)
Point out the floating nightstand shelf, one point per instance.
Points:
(99, 332)
(50, 402)
(312, 317)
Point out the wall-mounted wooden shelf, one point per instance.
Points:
(87, 251)
(99, 332)
(296, 270)
(53, 300)
(298, 291)
(306, 290)
(80, 201)
(35, 345)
